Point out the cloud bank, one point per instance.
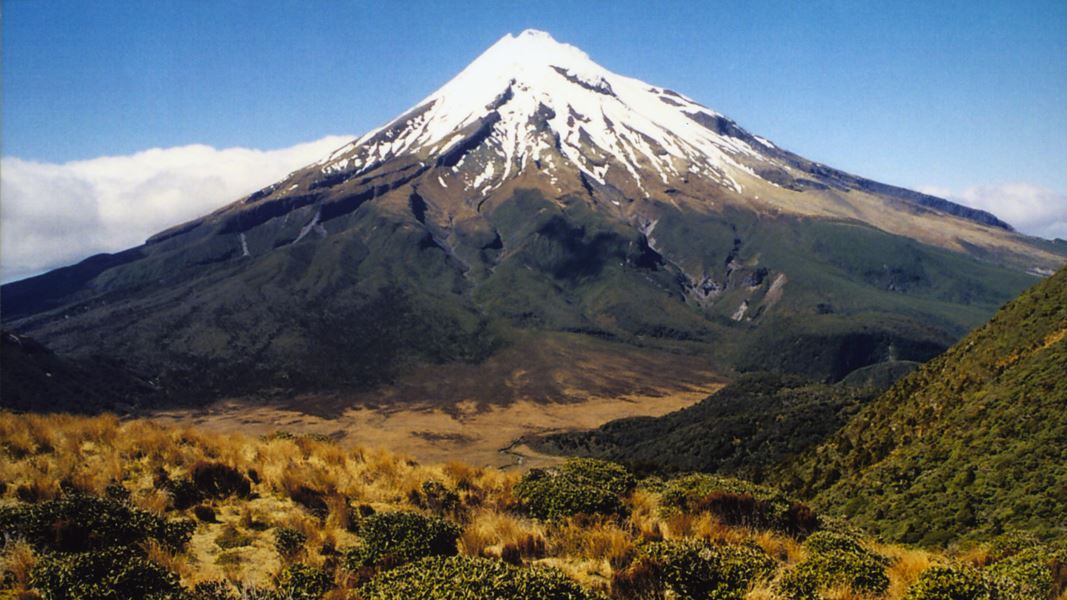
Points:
(1031, 209)
(53, 215)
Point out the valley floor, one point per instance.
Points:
(489, 436)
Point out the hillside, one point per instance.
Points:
(746, 429)
(969, 445)
(536, 194)
(94, 508)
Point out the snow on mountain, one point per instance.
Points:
(536, 100)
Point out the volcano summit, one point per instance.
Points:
(537, 228)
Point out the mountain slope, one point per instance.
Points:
(745, 429)
(973, 443)
(537, 192)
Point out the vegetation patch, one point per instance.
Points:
(118, 572)
(694, 570)
(462, 577)
(738, 502)
(835, 560)
(578, 486)
(394, 538)
(80, 523)
(216, 480)
(302, 582)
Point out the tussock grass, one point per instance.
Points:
(325, 491)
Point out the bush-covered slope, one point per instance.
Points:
(746, 428)
(95, 508)
(972, 443)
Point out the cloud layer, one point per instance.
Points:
(1029, 208)
(57, 214)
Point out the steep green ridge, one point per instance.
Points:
(747, 428)
(973, 443)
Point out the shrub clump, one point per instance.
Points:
(394, 538)
(1031, 574)
(213, 590)
(119, 572)
(302, 582)
(578, 486)
(79, 523)
(216, 480)
(288, 541)
(462, 577)
(693, 569)
(833, 560)
(738, 502)
(951, 583)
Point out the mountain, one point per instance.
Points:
(973, 443)
(538, 194)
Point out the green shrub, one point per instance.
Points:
(603, 474)
(118, 572)
(551, 496)
(695, 570)
(302, 582)
(183, 492)
(462, 578)
(578, 486)
(951, 583)
(79, 523)
(1029, 574)
(394, 538)
(1011, 543)
(213, 590)
(288, 542)
(835, 559)
(738, 502)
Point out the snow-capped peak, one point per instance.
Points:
(542, 98)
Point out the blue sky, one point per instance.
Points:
(962, 99)
(917, 93)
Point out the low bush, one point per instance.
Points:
(205, 514)
(951, 583)
(693, 569)
(216, 480)
(462, 578)
(289, 542)
(396, 538)
(302, 582)
(603, 474)
(79, 523)
(738, 502)
(1031, 574)
(183, 492)
(213, 590)
(579, 486)
(118, 572)
(835, 560)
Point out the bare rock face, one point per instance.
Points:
(535, 192)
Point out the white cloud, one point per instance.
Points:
(1029, 208)
(57, 214)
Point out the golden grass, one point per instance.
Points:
(89, 453)
(16, 562)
